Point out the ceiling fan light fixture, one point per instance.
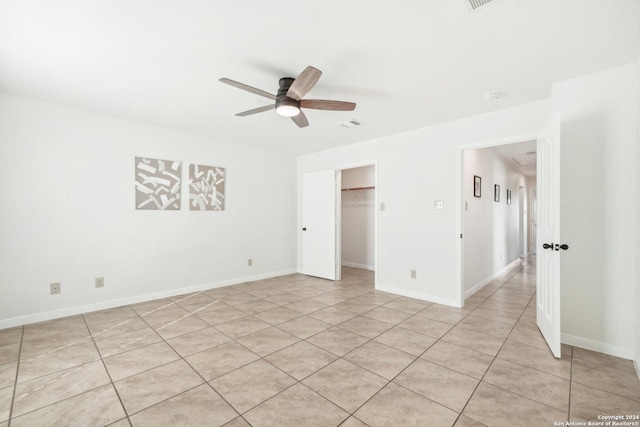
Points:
(287, 110)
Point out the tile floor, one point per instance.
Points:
(299, 351)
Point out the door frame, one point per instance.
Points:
(339, 170)
(460, 197)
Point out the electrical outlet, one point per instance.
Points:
(438, 205)
(99, 282)
(55, 288)
(413, 274)
(250, 262)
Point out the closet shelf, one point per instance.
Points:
(358, 188)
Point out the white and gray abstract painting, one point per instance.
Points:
(206, 188)
(157, 184)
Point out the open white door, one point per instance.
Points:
(319, 224)
(548, 234)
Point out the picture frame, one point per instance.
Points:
(496, 193)
(508, 196)
(477, 186)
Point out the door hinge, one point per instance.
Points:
(461, 236)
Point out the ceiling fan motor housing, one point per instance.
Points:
(282, 98)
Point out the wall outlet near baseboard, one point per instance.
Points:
(250, 262)
(99, 282)
(55, 288)
(413, 274)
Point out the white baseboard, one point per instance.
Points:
(484, 282)
(418, 295)
(356, 265)
(600, 347)
(72, 311)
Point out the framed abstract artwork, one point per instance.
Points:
(477, 186)
(508, 196)
(206, 188)
(157, 184)
(496, 193)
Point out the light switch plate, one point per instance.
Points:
(438, 205)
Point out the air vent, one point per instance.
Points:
(475, 4)
(351, 123)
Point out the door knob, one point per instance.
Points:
(547, 246)
(564, 247)
(304, 229)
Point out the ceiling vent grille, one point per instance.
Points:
(475, 4)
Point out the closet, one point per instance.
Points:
(358, 217)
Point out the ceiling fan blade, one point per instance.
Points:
(321, 104)
(248, 88)
(303, 83)
(257, 110)
(300, 120)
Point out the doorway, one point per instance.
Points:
(357, 221)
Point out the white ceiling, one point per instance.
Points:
(407, 64)
(523, 154)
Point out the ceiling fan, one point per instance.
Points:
(289, 102)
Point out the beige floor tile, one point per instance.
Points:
(408, 341)
(330, 298)
(615, 381)
(43, 391)
(237, 422)
(117, 327)
(6, 395)
(237, 299)
(467, 422)
(332, 315)
(142, 359)
(197, 341)
(304, 327)
(353, 422)
(278, 315)
(57, 360)
(38, 330)
(10, 336)
(297, 406)
(431, 328)
(444, 386)
(127, 341)
(268, 341)
(219, 360)
(147, 307)
(369, 328)
(55, 342)
(345, 384)
(459, 359)
(387, 315)
(222, 315)
(494, 316)
(487, 406)
(440, 314)
(528, 335)
(306, 306)
(301, 360)
(179, 327)
(408, 305)
(604, 359)
(536, 358)
(9, 353)
(222, 291)
(241, 327)
(397, 406)
(337, 341)
(121, 423)
(587, 403)
(284, 299)
(200, 406)
(97, 407)
(162, 317)
(109, 316)
(8, 374)
(150, 387)
(536, 385)
(357, 307)
(380, 359)
(256, 306)
(497, 329)
(251, 385)
(265, 292)
(474, 340)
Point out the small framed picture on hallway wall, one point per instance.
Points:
(477, 186)
(508, 196)
(496, 193)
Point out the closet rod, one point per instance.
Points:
(358, 188)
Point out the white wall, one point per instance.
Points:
(598, 203)
(491, 230)
(637, 206)
(68, 214)
(415, 169)
(358, 218)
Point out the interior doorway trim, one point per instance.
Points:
(460, 198)
(339, 170)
